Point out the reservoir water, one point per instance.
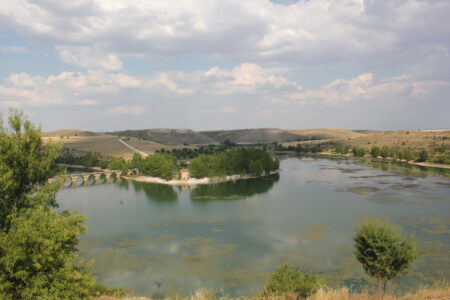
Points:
(157, 240)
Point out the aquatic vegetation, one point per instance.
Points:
(216, 229)
(216, 250)
(429, 224)
(190, 242)
(360, 190)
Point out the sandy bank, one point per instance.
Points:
(196, 181)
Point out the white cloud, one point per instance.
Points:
(90, 57)
(125, 109)
(94, 34)
(364, 87)
(13, 49)
(228, 109)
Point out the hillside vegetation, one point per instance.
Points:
(252, 136)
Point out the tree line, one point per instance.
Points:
(236, 161)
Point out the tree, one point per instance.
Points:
(136, 161)
(38, 254)
(376, 151)
(118, 163)
(160, 165)
(287, 279)
(25, 165)
(37, 245)
(256, 167)
(382, 250)
(423, 155)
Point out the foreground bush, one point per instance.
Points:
(383, 252)
(287, 280)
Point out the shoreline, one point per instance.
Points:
(414, 163)
(196, 181)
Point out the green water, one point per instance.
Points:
(157, 240)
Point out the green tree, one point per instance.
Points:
(359, 151)
(386, 151)
(25, 165)
(118, 163)
(376, 151)
(160, 165)
(423, 155)
(136, 161)
(382, 250)
(38, 255)
(256, 167)
(37, 245)
(287, 279)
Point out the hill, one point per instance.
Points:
(328, 133)
(252, 136)
(411, 139)
(168, 136)
(69, 132)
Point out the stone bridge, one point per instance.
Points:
(91, 178)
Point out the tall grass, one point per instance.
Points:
(437, 292)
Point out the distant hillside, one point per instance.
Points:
(169, 136)
(69, 132)
(252, 136)
(328, 133)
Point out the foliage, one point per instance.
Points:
(118, 163)
(359, 151)
(287, 279)
(160, 165)
(341, 149)
(236, 161)
(382, 250)
(423, 155)
(24, 166)
(37, 256)
(386, 151)
(256, 167)
(136, 161)
(37, 245)
(376, 151)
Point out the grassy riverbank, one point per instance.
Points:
(427, 293)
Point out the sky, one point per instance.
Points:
(106, 65)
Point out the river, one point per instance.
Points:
(157, 240)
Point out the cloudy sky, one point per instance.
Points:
(223, 64)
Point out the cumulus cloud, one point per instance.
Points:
(13, 49)
(364, 87)
(137, 110)
(245, 81)
(89, 57)
(306, 32)
(228, 109)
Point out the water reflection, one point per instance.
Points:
(156, 192)
(234, 189)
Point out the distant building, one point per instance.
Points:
(184, 174)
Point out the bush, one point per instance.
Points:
(423, 156)
(382, 250)
(376, 151)
(287, 279)
(359, 151)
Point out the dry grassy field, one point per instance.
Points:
(412, 139)
(438, 293)
(103, 144)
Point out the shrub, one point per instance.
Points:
(287, 279)
(376, 151)
(382, 250)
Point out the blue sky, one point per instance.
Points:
(212, 64)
